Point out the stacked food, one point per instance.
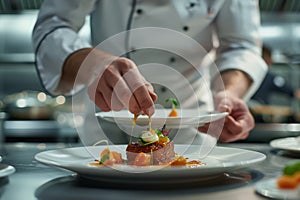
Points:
(152, 148)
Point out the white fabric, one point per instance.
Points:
(234, 23)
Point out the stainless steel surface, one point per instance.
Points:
(2, 119)
(280, 33)
(16, 45)
(29, 105)
(11, 83)
(36, 181)
(265, 132)
(38, 131)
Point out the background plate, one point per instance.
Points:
(6, 170)
(186, 118)
(268, 188)
(291, 144)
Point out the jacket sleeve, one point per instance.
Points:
(237, 27)
(55, 36)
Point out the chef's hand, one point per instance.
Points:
(114, 83)
(121, 86)
(236, 125)
(239, 122)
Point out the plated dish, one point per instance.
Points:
(220, 160)
(6, 170)
(185, 118)
(268, 188)
(291, 144)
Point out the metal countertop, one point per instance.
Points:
(33, 180)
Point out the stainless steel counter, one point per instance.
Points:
(36, 181)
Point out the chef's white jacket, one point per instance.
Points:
(229, 26)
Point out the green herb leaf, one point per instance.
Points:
(159, 133)
(141, 142)
(173, 101)
(104, 158)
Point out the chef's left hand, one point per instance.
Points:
(236, 125)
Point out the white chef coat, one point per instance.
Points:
(234, 24)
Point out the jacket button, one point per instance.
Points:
(192, 4)
(172, 59)
(139, 11)
(185, 28)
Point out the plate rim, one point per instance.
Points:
(283, 194)
(8, 170)
(273, 143)
(163, 172)
(169, 121)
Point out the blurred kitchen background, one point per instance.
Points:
(32, 116)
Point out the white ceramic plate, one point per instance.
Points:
(186, 118)
(220, 160)
(268, 188)
(6, 170)
(291, 144)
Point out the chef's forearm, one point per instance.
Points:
(81, 68)
(235, 82)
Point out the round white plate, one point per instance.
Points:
(268, 188)
(291, 144)
(219, 160)
(186, 118)
(6, 170)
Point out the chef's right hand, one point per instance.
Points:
(121, 86)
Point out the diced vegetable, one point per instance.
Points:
(108, 157)
(173, 112)
(287, 182)
(142, 159)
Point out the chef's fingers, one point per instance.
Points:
(101, 103)
(137, 84)
(97, 97)
(151, 91)
(102, 94)
(235, 130)
(123, 93)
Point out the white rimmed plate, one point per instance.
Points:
(291, 144)
(268, 188)
(220, 160)
(186, 118)
(6, 170)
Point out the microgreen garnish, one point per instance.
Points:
(159, 133)
(173, 101)
(142, 143)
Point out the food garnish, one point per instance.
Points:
(134, 119)
(108, 157)
(153, 147)
(152, 136)
(174, 112)
(149, 137)
(291, 176)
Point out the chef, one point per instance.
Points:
(144, 51)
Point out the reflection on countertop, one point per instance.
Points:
(38, 131)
